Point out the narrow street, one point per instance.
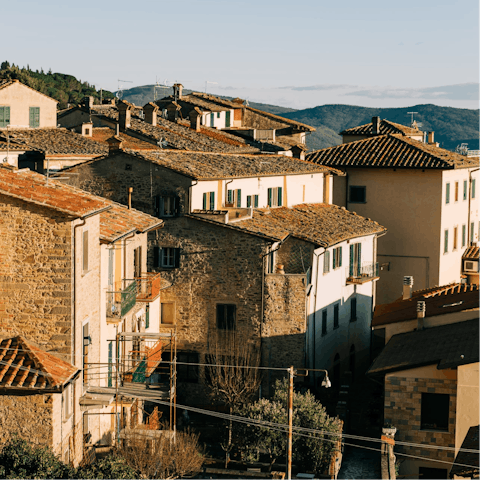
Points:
(360, 463)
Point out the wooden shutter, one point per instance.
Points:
(255, 203)
(229, 196)
(212, 119)
(4, 116)
(359, 258)
(111, 257)
(176, 257)
(269, 194)
(339, 256)
(85, 251)
(335, 250)
(204, 204)
(239, 198)
(447, 194)
(280, 197)
(351, 261)
(249, 201)
(212, 200)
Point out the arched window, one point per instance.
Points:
(351, 361)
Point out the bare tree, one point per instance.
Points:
(168, 455)
(232, 377)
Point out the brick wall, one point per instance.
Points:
(403, 410)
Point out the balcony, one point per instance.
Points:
(148, 287)
(358, 275)
(121, 299)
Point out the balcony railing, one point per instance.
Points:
(121, 299)
(358, 274)
(148, 286)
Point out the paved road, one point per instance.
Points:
(360, 463)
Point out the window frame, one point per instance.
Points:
(464, 235)
(275, 196)
(35, 112)
(159, 256)
(445, 241)
(362, 188)
(188, 373)
(457, 188)
(208, 201)
(428, 403)
(326, 262)
(455, 238)
(234, 197)
(465, 190)
(160, 202)
(67, 402)
(225, 323)
(447, 193)
(337, 258)
(473, 187)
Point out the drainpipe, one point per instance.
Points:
(470, 201)
(130, 190)
(226, 190)
(190, 196)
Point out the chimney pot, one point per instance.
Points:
(124, 115)
(376, 125)
(177, 90)
(407, 287)
(420, 314)
(430, 138)
(150, 110)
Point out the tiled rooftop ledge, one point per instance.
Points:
(226, 215)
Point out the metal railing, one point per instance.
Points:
(362, 273)
(121, 299)
(149, 285)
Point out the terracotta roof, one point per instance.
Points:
(318, 223)
(120, 221)
(23, 365)
(451, 298)
(203, 165)
(472, 252)
(470, 442)
(386, 127)
(57, 141)
(447, 346)
(13, 147)
(390, 151)
(34, 188)
(102, 134)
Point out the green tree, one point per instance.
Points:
(312, 451)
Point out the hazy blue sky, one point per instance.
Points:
(370, 52)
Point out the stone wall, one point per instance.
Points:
(35, 275)
(403, 397)
(28, 416)
(295, 255)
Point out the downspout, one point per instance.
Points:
(190, 196)
(374, 291)
(226, 190)
(469, 202)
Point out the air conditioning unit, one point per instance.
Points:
(470, 266)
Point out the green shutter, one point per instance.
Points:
(351, 261)
(359, 259)
(269, 195)
(255, 203)
(239, 198)
(204, 201)
(445, 246)
(334, 255)
(227, 118)
(249, 201)
(4, 116)
(229, 196)
(212, 200)
(280, 197)
(447, 194)
(34, 117)
(147, 316)
(110, 363)
(473, 188)
(340, 257)
(465, 189)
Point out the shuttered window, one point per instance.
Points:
(34, 117)
(166, 257)
(275, 197)
(166, 205)
(4, 116)
(447, 193)
(445, 242)
(326, 262)
(85, 251)
(137, 262)
(355, 259)
(337, 257)
(227, 118)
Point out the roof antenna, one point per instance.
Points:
(412, 114)
(120, 88)
(207, 82)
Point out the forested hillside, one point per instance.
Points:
(64, 88)
(452, 126)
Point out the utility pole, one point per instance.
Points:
(290, 422)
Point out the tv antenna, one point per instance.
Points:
(412, 114)
(120, 88)
(207, 82)
(160, 86)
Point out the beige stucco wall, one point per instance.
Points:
(20, 98)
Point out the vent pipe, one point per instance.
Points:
(420, 314)
(376, 125)
(130, 190)
(407, 287)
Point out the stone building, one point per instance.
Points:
(431, 379)
(426, 196)
(25, 107)
(55, 244)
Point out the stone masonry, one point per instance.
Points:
(403, 410)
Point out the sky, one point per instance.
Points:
(295, 53)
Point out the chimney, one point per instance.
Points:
(407, 287)
(298, 151)
(114, 144)
(280, 269)
(130, 190)
(376, 125)
(420, 314)
(124, 114)
(172, 111)
(195, 118)
(150, 110)
(88, 102)
(430, 138)
(177, 91)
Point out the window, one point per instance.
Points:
(447, 193)
(253, 204)
(226, 316)
(464, 235)
(167, 313)
(275, 197)
(337, 257)
(147, 315)
(187, 373)
(4, 116)
(234, 197)
(324, 322)
(137, 262)
(357, 194)
(85, 251)
(473, 188)
(353, 309)
(435, 411)
(455, 234)
(209, 201)
(326, 262)
(465, 189)
(212, 120)
(355, 259)
(456, 191)
(218, 114)
(34, 117)
(336, 308)
(67, 401)
(227, 118)
(445, 242)
(166, 257)
(166, 205)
